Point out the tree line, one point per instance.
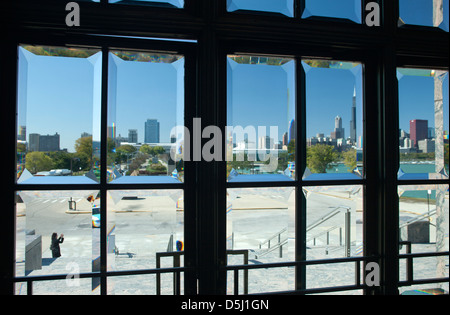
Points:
(84, 158)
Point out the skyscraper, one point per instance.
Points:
(285, 139)
(265, 143)
(418, 130)
(353, 136)
(22, 133)
(292, 130)
(132, 135)
(43, 143)
(338, 132)
(151, 131)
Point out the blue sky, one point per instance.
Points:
(58, 97)
(61, 94)
(147, 90)
(416, 99)
(416, 12)
(261, 95)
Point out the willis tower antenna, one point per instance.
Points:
(353, 121)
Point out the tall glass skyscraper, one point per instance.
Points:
(353, 121)
(151, 131)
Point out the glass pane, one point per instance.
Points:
(260, 229)
(423, 289)
(145, 105)
(344, 9)
(432, 13)
(334, 120)
(332, 275)
(261, 127)
(59, 102)
(424, 123)
(424, 227)
(163, 3)
(144, 227)
(285, 7)
(334, 221)
(57, 233)
(144, 285)
(70, 286)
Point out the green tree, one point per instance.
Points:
(127, 148)
(350, 159)
(291, 150)
(62, 159)
(38, 162)
(158, 150)
(319, 157)
(145, 148)
(84, 149)
(239, 166)
(21, 148)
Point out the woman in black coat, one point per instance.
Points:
(56, 251)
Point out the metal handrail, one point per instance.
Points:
(425, 215)
(272, 237)
(177, 270)
(266, 251)
(357, 260)
(278, 245)
(323, 233)
(326, 217)
(347, 224)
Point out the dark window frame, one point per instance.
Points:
(381, 49)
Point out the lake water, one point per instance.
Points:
(406, 168)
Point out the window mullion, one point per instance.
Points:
(103, 173)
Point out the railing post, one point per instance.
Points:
(409, 264)
(158, 275)
(246, 273)
(347, 233)
(176, 275)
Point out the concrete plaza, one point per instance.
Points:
(142, 225)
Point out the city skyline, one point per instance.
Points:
(57, 94)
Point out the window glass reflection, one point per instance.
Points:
(344, 9)
(334, 120)
(145, 105)
(424, 227)
(285, 7)
(432, 13)
(334, 221)
(144, 285)
(332, 275)
(57, 233)
(72, 286)
(144, 227)
(260, 229)
(163, 3)
(261, 126)
(423, 134)
(58, 101)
